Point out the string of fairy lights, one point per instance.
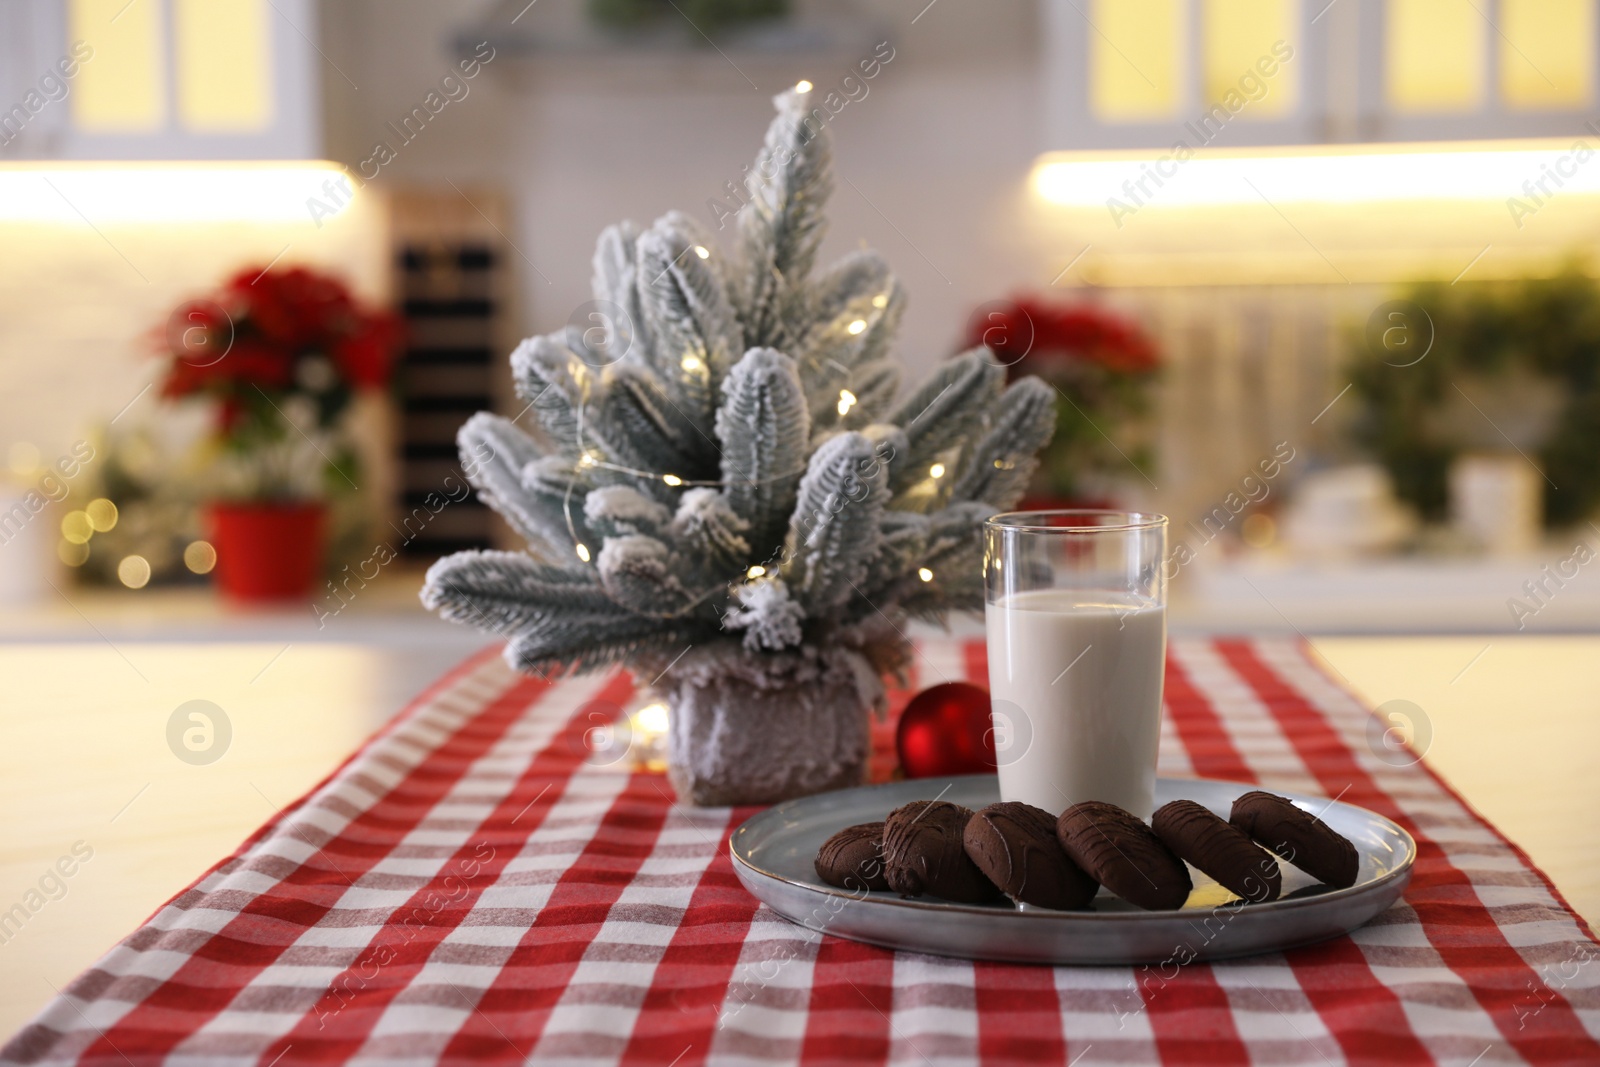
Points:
(694, 364)
(587, 459)
(100, 518)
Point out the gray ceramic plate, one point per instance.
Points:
(772, 853)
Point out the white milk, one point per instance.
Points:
(1089, 733)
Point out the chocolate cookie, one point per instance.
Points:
(1124, 855)
(853, 858)
(1220, 849)
(922, 853)
(1298, 836)
(1015, 845)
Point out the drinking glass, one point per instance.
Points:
(1075, 609)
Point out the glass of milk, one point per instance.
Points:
(1076, 613)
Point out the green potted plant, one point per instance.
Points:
(1504, 367)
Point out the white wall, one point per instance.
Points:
(941, 144)
(83, 300)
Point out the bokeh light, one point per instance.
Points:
(76, 527)
(200, 557)
(1258, 530)
(102, 514)
(134, 572)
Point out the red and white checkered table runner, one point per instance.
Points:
(469, 887)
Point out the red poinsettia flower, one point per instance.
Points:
(1028, 332)
(295, 307)
(256, 361)
(365, 356)
(264, 331)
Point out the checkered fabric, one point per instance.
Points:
(473, 887)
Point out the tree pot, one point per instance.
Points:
(748, 728)
(268, 552)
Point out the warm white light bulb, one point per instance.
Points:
(925, 574)
(847, 400)
(755, 572)
(102, 514)
(803, 86)
(200, 557)
(691, 364)
(936, 471)
(134, 572)
(76, 527)
(672, 479)
(881, 300)
(651, 719)
(856, 327)
(583, 551)
(702, 251)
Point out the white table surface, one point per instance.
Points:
(86, 759)
(1515, 729)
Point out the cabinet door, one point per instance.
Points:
(159, 79)
(1468, 69)
(1235, 73)
(1151, 73)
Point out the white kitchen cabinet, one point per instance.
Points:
(160, 79)
(1127, 74)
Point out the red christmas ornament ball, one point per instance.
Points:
(945, 731)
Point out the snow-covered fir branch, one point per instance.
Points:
(730, 466)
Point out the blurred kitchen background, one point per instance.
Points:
(1314, 278)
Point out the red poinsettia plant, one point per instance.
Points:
(282, 352)
(1102, 365)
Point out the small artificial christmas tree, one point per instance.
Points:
(729, 499)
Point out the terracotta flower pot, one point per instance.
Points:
(268, 551)
(759, 729)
